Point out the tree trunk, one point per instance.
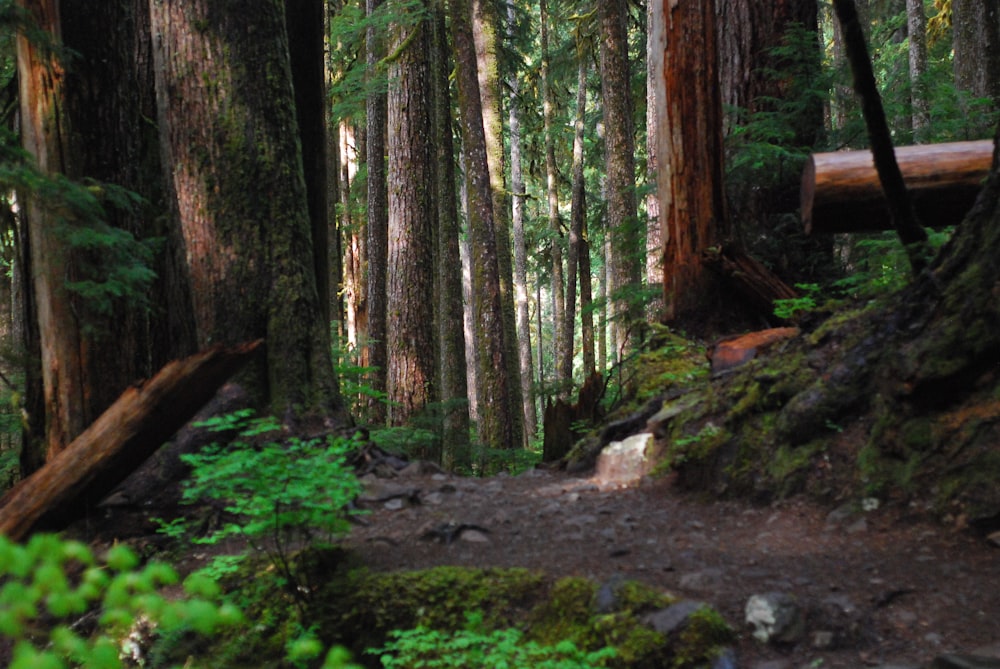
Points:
(520, 253)
(235, 173)
(552, 197)
(409, 334)
(496, 425)
(976, 42)
(627, 238)
(454, 391)
(692, 204)
(486, 32)
(916, 27)
(578, 219)
(378, 217)
(654, 238)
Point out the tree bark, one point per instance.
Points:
(496, 425)
(378, 217)
(627, 237)
(409, 336)
(552, 198)
(654, 238)
(916, 28)
(976, 42)
(234, 166)
(578, 217)
(690, 181)
(454, 390)
(520, 252)
(121, 439)
(486, 32)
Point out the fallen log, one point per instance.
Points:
(139, 422)
(841, 191)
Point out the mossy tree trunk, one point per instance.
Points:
(494, 405)
(627, 235)
(453, 390)
(230, 136)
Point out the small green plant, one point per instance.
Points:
(48, 585)
(476, 648)
(787, 309)
(280, 492)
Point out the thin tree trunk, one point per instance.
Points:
(454, 391)
(904, 218)
(378, 218)
(578, 218)
(619, 143)
(654, 240)
(552, 197)
(496, 424)
(916, 27)
(520, 254)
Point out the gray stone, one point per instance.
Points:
(673, 618)
(700, 581)
(776, 618)
(950, 661)
(625, 462)
(994, 538)
(773, 664)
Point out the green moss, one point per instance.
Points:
(702, 640)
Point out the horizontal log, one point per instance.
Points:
(841, 191)
(115, 444)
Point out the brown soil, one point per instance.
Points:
(906, 590)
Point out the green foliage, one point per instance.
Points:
(474, 647)
(49, 584)
(787, 309)
(280, 492)
(109, 268)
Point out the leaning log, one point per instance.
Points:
(139, 422)
(841, 191)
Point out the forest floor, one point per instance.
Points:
(880, 588)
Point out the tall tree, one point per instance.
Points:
(520, 249)
(487, 32)
(916, 28)
(552, 198)
(619, 146)
(409, 327)
(690, 183)
(453, 387)
(496, 425)
(378, 213)
(654, 239)
(578, 217)
(236, 179)
(977, 47)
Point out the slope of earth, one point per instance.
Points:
(876, 588)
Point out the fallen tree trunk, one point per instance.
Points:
(124, 436)
(841, 191)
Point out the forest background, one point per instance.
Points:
(461, 215)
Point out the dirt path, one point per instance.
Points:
(881, 588)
